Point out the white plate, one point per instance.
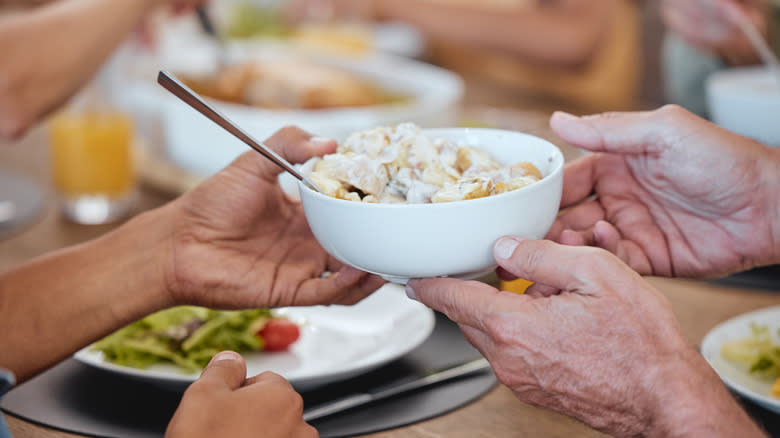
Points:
(736, 377)
(337, 342)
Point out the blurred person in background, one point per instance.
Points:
(583, 52)
(704, 37)
(49, 50)
(664, 193)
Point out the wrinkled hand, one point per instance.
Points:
(605, 349)
(675, 195)
(223, 402)
(239, 241)
(713, 25)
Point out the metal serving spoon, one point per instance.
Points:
(192, 99)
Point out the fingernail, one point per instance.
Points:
(565, 116)
(410, 292)
(505, 247)
(320, 140)
(224, 355)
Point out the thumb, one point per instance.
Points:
(226, 369)
(567, 268)
(291, 143)
(624, 133)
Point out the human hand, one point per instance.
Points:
(239, 241)
(223, 402)
(713, 25)
(604, 347)
(674, 195)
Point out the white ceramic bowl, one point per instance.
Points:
(746, 101)
(454, 239)
(198, 145)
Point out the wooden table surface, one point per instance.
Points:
(699, 306)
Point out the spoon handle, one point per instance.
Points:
(192, 99)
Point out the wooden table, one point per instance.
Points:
(698, 305)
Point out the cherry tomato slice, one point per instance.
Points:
(278, 334)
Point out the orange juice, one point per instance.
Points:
(91, 154)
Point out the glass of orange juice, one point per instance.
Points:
(92, 163)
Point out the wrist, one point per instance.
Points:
(769, 178)
(138, 252)
(687, 399)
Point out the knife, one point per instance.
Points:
(360, 399)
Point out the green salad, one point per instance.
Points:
(758, 352)
(187, 336)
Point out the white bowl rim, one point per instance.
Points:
(741, 81)
(557, 156)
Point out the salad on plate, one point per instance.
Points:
(759, 353)
(188, 336)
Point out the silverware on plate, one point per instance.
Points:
(192, 99)
(394, 389)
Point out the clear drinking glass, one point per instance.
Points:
(91, 145)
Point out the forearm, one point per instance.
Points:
(59, 303)
(564, 35)
(49, 52)
(689, 400)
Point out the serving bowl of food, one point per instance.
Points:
(265, 90)
(404, 202)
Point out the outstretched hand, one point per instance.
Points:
(240, 241)
(669, 193)
(599, 344)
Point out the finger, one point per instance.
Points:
(347, 284)
(465, 302)
(606, 236)
(572, 238)
(505, 275)
(225, 370)
(303, 260)
(578, 180)
(563, 267)
(622, 133)
(368, 284)
(291, 143)
(266, 377)
(538, 290)
(582, 216)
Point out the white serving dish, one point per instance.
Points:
(198, 145)
(455, 239)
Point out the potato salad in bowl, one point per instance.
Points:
(400, 164)
(404, 202)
